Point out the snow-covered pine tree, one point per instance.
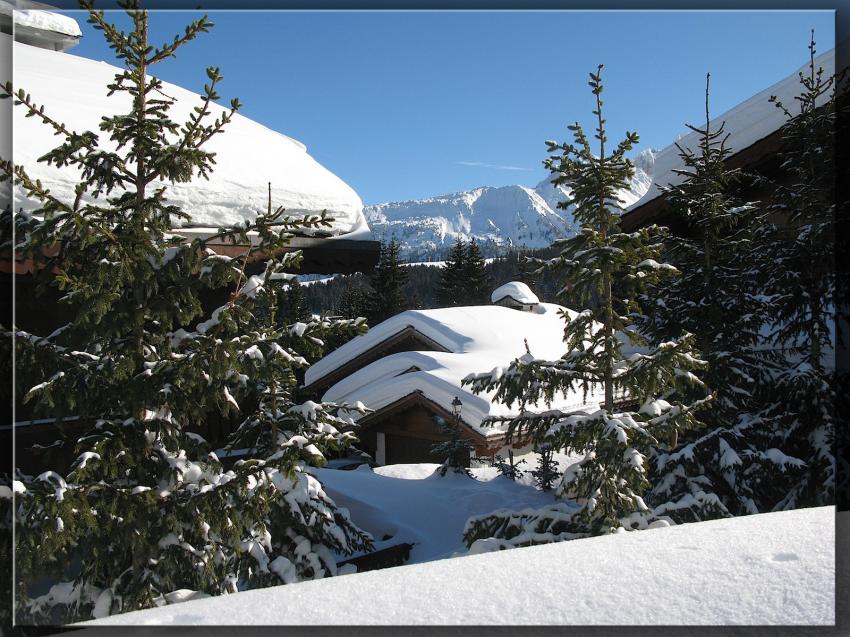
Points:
(797, 232)
(352, 302)
(842, 300)
(603, 350)
(546, 473)
(147, 509)
(509, 469)
(452, 287)
(6, 555)
(387, 297)
(454, 451)
(727, 468)
(293, 306)
(476, 282)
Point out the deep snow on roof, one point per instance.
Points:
(41, 20)
(773, 568)
(479, 339)
(748, 122)
(517, 290)
(248, 155)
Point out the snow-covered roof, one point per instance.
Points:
(42, 20)
(479, 339)
(33, 25)
(773, 568)
(747, 123)
(248, 155)
(517, 290)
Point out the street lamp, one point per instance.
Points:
(456, 407)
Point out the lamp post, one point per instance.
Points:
(457, 405)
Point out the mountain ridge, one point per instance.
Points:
(497, 217)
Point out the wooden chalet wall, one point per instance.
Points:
(410, 429)
(408, 436)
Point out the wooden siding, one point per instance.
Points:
(410, 429)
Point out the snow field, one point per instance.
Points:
(412, 505)
(773, 568)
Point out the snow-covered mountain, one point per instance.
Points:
(497, 217)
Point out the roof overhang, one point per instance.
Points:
(52, 40)
(320, 255)
(758, 157)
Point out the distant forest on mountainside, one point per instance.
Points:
(345, 294)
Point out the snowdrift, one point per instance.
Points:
(774, 568)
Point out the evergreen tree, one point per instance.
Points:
(293, 307)
(452, 451)
(842, 301)
(476, 282)
(452, 287)
(352, 303)
(546, 473)
(387, 296)
(509, 469)
(147, 509)
(6, 555)
(798, 274)
(725, 469)
(603, 350)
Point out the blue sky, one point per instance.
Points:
(405, 105)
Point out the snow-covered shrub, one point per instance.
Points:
(510, 469)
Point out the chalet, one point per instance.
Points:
(254, 166)
(516, 295)
(754, 136)
(409, 370)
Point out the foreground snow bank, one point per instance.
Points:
(775, 568)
